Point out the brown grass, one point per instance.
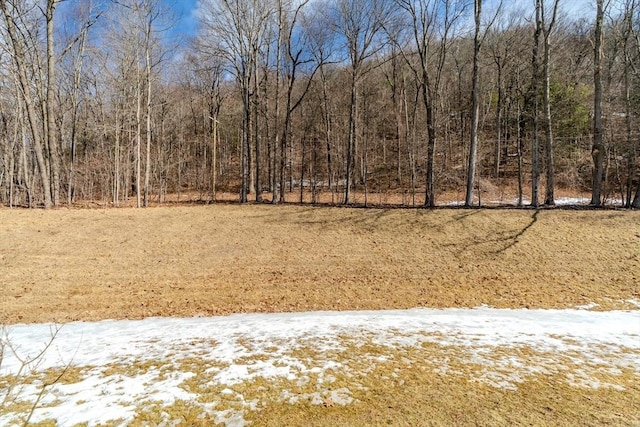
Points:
(409, 389)
(376, 385)
(420, 401)
(85, 264)
(91, 264)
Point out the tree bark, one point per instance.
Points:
(147, 166)
(520, 133)
(52, 141)
(430, 196)
(352, 138)
(256, 131)
(598, 148)
(497, 147)
(276, 113)
(116, 159)
(550, 175)
(138, 148)
(74, 118)
(244, 156)
(633, 170)
(535, 77)
(636, 199)
(328, 123)
(473, 149)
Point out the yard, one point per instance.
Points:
(339, 316)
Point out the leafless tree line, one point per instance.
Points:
(318, 100)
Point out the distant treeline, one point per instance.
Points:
(99, 101)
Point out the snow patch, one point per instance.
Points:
(125, 366)
(588, 306)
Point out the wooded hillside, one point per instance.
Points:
(319, 100)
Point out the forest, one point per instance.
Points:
(367, 102)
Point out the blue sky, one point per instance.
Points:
(184, 10)
(187, 24)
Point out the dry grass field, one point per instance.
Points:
(92, 264)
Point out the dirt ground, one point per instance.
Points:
(91, 264)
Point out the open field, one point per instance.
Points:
(66, 265)
(435, 367)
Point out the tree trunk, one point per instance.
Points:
(304, 155)
(138, 136)
(497, 147)
(633, 201)
(631, 152)
(520, 130)
(74, 118)
(283, 156)
(550, 187)
(473, 149)
(256, 133)
(214, 156)
(52, 141)
(23, 155)
(352, 139)
(147, 166)
(636, 200)
(244, 156)
(365, 150)
(276, 147)
(535, 145)
(116, 160)
(328, 132)
(598, 149)
(400, 131)
(429, 199)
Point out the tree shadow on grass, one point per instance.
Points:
(514, 239)
(503, 239)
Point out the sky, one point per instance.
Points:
(121, 366)
(185, 14)
(187, 22)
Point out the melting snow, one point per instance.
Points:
(240, 348)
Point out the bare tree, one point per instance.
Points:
(20, 37)
(598, 148)
(473, 149)
(547, 29)
(534, 100)
(296, 49)
(505, 42)
(431, 23)
(359, 24)
(321, 48)
(150, 19)
(499, 54)
(215, 104)
(74, 119)
(478, 40)
(93, 114)
(122, 82)
(275, 164)
(86, 16)
(51, 139)
(236, 29)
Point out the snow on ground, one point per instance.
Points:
(559, 201)
(121, 366)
